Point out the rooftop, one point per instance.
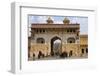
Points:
(83, 36)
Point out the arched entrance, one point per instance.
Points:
(55, 45)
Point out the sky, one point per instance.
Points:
(83, 21)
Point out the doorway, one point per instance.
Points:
(55, 45)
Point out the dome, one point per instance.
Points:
(49, 20)
(66, 21)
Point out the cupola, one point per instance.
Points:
(49, 20)
(66, 21)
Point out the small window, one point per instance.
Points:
(43, 30)
(82, 51)
(37, 30)
(40, 31)
(86, 50)
(70, 30)
(67, 30)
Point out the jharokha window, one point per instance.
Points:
(40, 40)
(70, 40)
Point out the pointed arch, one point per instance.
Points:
(52, 43)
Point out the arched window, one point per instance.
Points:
(40, 40)
(71, 40)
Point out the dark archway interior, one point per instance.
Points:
(52, 41)
(71, 40)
